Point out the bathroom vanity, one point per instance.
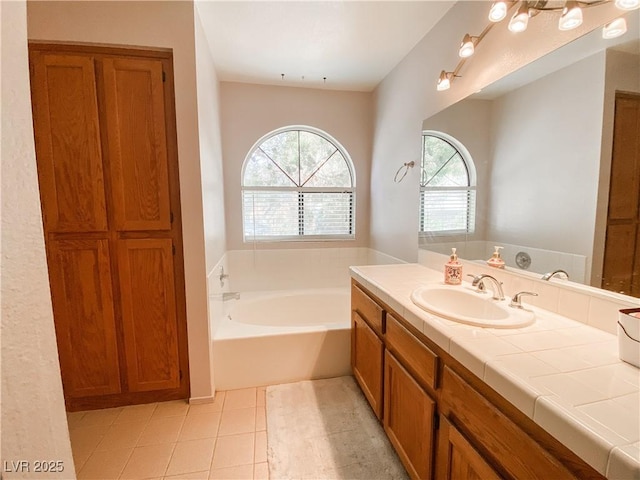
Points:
(458, 401)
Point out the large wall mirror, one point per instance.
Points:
(539, 146)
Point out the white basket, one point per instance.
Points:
(629, 336)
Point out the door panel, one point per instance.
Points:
(149, 313)
(68, 147)
(85, 326)
(367, 352)
(136, 130)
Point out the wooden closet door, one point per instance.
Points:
(67, 135)
(149, 313)
(136, 130)
(82, 297)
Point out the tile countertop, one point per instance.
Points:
(563, 374)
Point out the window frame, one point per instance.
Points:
(471, 188)
(301, 237)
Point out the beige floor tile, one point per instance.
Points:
(200, 408)
(87, 438)
(121, 435)
(261, 399)
(74, 419)
(200, 426)
(242, 420)
(261, 471)
(261, 419)
(218, 400)
(161, 430)
(260, 455)
(191, 456)
(103, 465)
(243, 398)
(105, 416)
(233, 450)
(136, 413)
(240, 472)
(189, 476)
(80, 456)
(175, 408)
(149, 461)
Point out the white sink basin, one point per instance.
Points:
(464, 305)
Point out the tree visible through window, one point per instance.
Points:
(447, 193)
(298, 184)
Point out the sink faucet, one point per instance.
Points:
(478, 282)
(516, 301)
(548, 276)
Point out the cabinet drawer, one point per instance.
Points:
(518, 454)
(369, 310)
(416, 357)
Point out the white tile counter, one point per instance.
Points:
(564, 375)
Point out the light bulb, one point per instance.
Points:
(443, 82)
(571, 16)
(627, 4)
(616, 28)
(467, 47)
(498, 11)
(520, 19)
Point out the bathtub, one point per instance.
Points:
(276, 337)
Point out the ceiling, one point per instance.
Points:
(354, 44)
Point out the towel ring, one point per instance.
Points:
(406, 167)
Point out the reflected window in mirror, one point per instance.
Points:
(447, 186)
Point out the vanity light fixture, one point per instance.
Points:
(498, 11)
(520, 19)
(571, 16)
(444, 81)
(467, 47)
(627, 4)
(614, 29)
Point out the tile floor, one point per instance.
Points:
(174, 440)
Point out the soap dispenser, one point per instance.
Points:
(496, 260)
(453, 270)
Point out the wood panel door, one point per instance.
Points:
(457, 459)
(367, 353)
(621, 272)
(408, 418)
(82, 300)
(67, 138)
(135, 113)
(149, 319)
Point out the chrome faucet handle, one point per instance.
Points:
(478, 283)
(516, 301)
(549, 275)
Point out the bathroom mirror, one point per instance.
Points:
(540, 141)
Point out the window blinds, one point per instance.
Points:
(447, 209)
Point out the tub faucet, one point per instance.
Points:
(549, 275)
(223, 276)
(478, 282)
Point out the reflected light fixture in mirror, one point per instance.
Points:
(615, 28)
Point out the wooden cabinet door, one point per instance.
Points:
(367, 352)
(83, 307)
(149, 317)
(457, 459)
(135, 116)
(408, 418)
(67, 134)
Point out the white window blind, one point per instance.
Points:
(447, 209)
(297, 185)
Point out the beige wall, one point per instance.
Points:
(251, 111)
(34, 424)
(408, 95)
(154, 24)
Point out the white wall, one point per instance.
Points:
(154, 24)
(408, 95)
(251, 111)
(546, 160)
(34, 424)
(622, 73)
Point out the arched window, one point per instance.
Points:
(447, 186)
(298, 183)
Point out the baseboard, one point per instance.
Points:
(200, 400)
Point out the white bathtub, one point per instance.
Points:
(282, 336)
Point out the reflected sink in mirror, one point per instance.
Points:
(465, 305)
